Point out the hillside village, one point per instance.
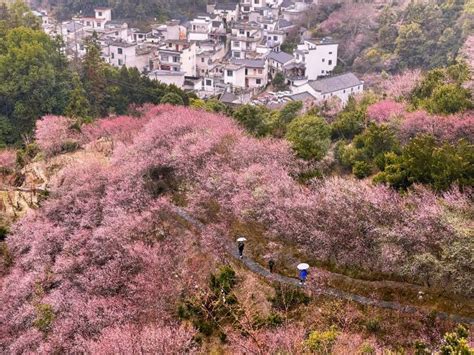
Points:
(233, 52)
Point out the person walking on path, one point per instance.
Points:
(303, 268)
(241, 246)
(271, 265)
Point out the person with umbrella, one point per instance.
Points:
(303, 274)
(241, 245)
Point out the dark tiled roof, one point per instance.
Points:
(228, 97)
(335, 83)
(280, 57)
(304, 96)
(226, 6)
(250, 63)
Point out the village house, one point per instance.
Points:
(318, 56)
(244, 39)
(246, 73)
(228, 12)
(178, 56)
(342, 86)
(130, 55)
(199, 29)
(102, 15)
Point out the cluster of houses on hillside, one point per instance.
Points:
(233, 52)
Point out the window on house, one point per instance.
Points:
(119, 50)
(100, 14)
(236, 44)
(164, 58)
(275, 38)
(324, 60)
(202, 60)
(260, 71)
(330, 62)
(120, 62)
(112, 55)
(88, 23)
(246, 71)
(258, 81)
(175, 59)
(330, 52)
(230, 73)
(208, 82)
(241, 32)
(237, 54)
(175, 68)
(343, 91)
(322, 71)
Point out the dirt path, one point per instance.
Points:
(327, 291)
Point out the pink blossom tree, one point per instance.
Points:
(52, 132)
(385, 111)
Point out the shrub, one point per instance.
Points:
(288, 298)
(457, 342)
(44, 317)
(172, 98)
(159, 180)
(309, 137)
(322, 342)
(361, 169)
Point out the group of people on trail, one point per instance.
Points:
(303, 268)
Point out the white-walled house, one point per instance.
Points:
(244, 39)
(319, 57)
(277, 62)
(246, 73)
(234, 75)
(130, 55)
(102, 15)
(342, 86)
(178, 56)
(228, 12)
(168, 77)
(199, 29)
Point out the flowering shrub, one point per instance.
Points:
(402, 85)
(445, 128)
(385, 110)
(53, 132)
(7, 159)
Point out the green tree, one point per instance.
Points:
(172, 98)
(410, 45)
(449, 98)
(93, 75)
(279, 82)
(34, 79)
(426, 161)
(309, 137)
(253, 118)
(78, 105)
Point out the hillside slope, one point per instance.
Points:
(107, 253)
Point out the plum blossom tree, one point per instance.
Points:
(53, 132)
(385, 110)
(7, 159)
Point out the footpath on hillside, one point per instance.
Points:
(326, 291)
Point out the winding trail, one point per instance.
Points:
(327, 291)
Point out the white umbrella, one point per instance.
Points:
(303, 266)
(241, 239)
